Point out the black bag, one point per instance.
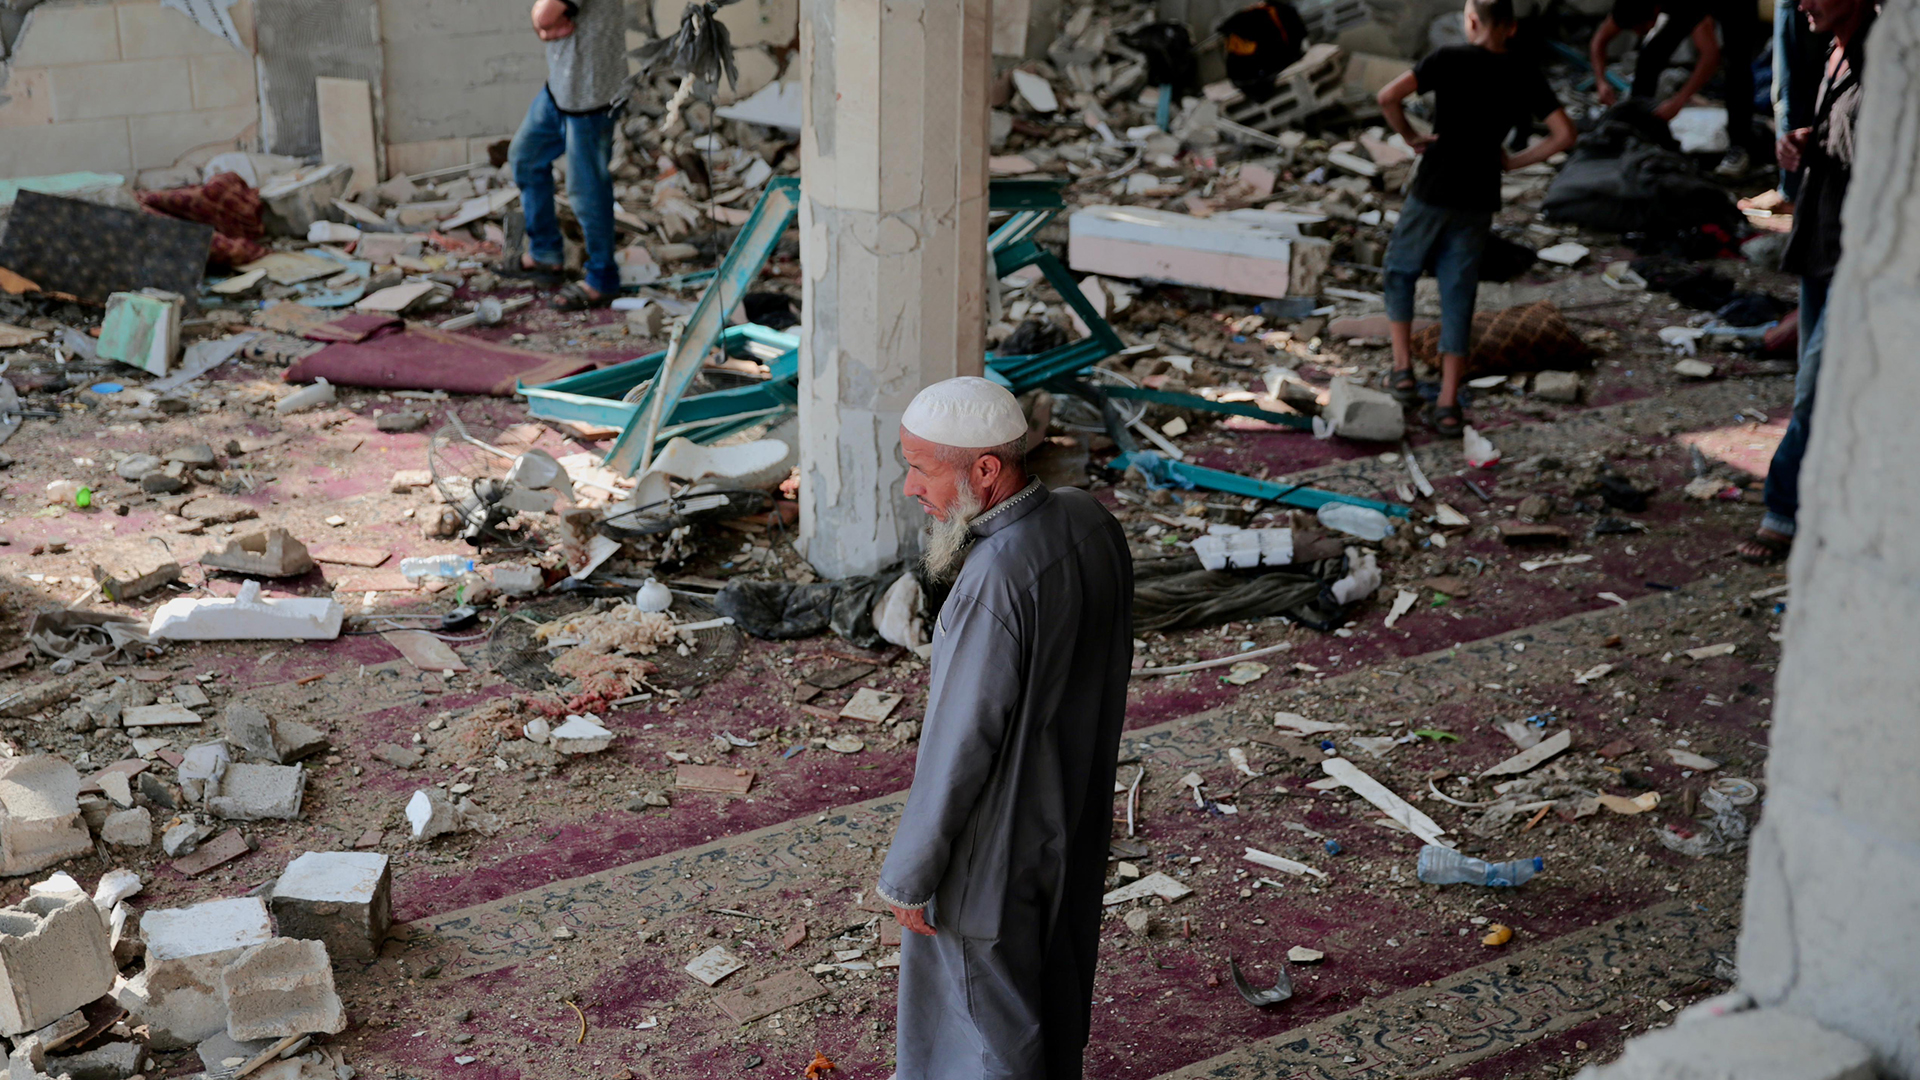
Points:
(1260, 42)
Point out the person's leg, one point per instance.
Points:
(1783, 473)
(1740, 46)
(1656, 52)
(590, 189)
(538, 144)
(1458, 268)
(1407, 255)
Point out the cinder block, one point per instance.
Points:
(54, 958)
(40, 822)
(280, 988)
(81, 146)
(159, 141)
(341, 898)
(180, 996)
(67, 34)
(151, 32)
(257, 792)
(223, 82)
(29, 98)
(121, 88)
(1359, 413)
(271, 738)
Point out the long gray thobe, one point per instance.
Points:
(1004, 837)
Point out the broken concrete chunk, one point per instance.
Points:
(1356, 412)
(54, 958)
(280, 988)
(200, 770)
(407, 479)
(400, 422)
(223, 1057)
(135, 574)
(580, 735)
(135, 466)
(180, 995)
(1561, 386)
(128, 828)
(184, 835)
(251, 792)
(113, 887)
(198, 455)
(431, 814)
(341, 898)
(270, 738)
(399, 757)
(248, 616)
(40, 822)
(114, 1061)
(273, 553)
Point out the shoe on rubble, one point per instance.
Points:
(1735, 165)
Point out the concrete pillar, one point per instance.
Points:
(893, 218)
(1832, 926)
(1831, 931)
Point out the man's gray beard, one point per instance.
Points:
(948, 541)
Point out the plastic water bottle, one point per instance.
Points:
(445, 566)
(1445, 866)
(1361, 521)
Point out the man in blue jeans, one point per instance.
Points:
(573, 114)
(1481, 92)
(1822, 154)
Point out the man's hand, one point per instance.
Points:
(1791, 147)
(914, 919)
(1420, 144)
(1606, 93)
(550, 20)
(1670, 108)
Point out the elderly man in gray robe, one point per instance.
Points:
(999, 861)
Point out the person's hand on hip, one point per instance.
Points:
(552, 19)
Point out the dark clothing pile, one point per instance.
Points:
(1260, 42)
(1628, 176)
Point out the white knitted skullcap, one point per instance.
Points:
(966, 412)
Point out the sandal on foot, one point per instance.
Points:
(575, 297)
(1447, 421)
(1404, 387)
(1764, 550)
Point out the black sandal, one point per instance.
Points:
(1766, 550)
(575, 297)
(1404, 387)
(1447, 421)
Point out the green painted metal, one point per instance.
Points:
(772, 215)
(1293, 495)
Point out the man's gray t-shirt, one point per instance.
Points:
(587, 69)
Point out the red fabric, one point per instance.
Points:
(224, 202)
(419, 358)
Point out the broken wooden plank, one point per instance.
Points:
(1417, 823)
(769, 996)
(713, 778)
(873, 706)
(1528, 760)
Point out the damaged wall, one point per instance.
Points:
(459, 74)
(120, 87)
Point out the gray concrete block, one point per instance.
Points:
(341, 898)
(256, 792)
(114, 1061)
(1359, 413)
(179, 996)
(40, 822)
(1760, 1044)
(1561, 386)
(54, 958)
(269, 738)
(128, 828)
(280, 988)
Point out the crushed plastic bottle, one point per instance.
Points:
(1361, 521)
(445, 566)
(1445, 866)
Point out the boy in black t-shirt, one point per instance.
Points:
(1481, 92)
